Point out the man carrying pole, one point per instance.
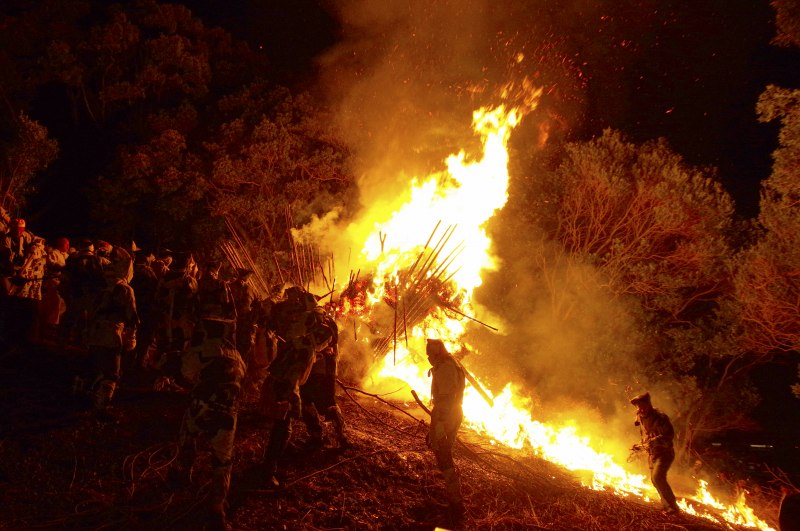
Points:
(447, 392)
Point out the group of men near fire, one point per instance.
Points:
(215, 337)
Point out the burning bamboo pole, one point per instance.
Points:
(474, 383)
(462, 314)
(419, 256)
(418, 291)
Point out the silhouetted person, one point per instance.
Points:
(318, 394)
(214, 369)
(657, 438)
(447, 392)
(299, 323)
(789, 512)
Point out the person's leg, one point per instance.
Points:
(279, 437)
(660, 467)
(222, 463)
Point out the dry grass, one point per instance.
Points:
(61, 469)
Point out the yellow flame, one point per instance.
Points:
(467, 195)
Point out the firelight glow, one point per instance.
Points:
(466, 196)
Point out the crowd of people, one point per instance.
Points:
(178, 322)
(182, 324)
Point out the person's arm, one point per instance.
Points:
(663, 432)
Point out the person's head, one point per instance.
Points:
(242, 273)
(642, 403)
(62, 244)
(183, 262)
(294, 294)
(120, 266)
(309, 301)
(435, 350)
(103, 248)
(211, 268)
(18, 227)
(86, 246)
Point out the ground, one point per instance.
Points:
(61, 468)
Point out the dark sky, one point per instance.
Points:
(687, 71)
(696, 82)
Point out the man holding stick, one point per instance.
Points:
(447, 392)
(657, 436)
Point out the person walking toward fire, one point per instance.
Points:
(244, 295)
(657, 439)
(111, 331)
(299, 325)
(214, 369)
(447, 392)
(318, 394)
(175, 296)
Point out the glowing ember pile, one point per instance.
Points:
(463, 198)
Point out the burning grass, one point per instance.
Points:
(61, 469)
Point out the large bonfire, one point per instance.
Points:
(419, 266)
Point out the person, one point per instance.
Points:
(447, 393)
(175, 299)
(214, 370)
(244, 295)
(657, 439)
(14, 245)
(145, 286)
(298, 322)
(264, 350)
(318, 394)
(111, 331)
(789, 509)
(25, 291)
(81, 283)
(53, 305)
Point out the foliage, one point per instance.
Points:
(787, 21)
(767, 283)
(199, 131)
(659, 232)
(262, 150)
(274, 152)
(657, 228)
(29, 152)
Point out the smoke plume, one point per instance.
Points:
(404, 80)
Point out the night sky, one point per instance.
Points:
(687, 71)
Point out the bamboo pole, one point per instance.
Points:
(459, 312)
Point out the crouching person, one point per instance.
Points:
(215, 370)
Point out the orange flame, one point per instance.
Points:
(466, 195)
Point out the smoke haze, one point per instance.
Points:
(404, 81)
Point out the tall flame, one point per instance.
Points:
(465, 196)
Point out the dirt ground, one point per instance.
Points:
(61, 468)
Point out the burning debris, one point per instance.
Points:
(399, 293)
(414, 292)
